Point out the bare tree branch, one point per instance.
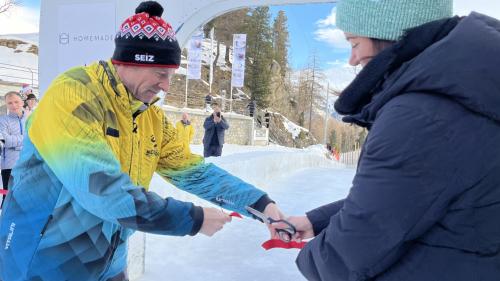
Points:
(7, 4)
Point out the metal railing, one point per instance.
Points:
(18, 74)
(350, 158)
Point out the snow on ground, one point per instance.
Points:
(16, 65)
(293, 128)
(298, 179)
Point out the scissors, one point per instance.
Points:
(285, 234)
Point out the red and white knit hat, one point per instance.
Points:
(145, 39)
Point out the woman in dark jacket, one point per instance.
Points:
(425, 200)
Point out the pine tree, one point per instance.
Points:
(333, 139)
(281, 42)
(259, 54)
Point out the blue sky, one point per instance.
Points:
(310, 32)
(23, 18)
(31, 3)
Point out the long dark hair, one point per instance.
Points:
(381, 44)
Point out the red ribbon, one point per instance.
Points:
(278, 243)
(3, 191)
(234, 214)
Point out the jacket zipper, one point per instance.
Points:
(45, 226)
(134, 132)
(113, 245)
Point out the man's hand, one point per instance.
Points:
(273, 212)
(217, 119)
(213, 221)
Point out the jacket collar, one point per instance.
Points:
(357, 101)
(14, 115)
(114, 84)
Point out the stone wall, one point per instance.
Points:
(240, 127)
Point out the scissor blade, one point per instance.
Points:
(264, 218)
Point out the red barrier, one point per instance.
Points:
(3, 191)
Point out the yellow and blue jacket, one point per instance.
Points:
(80, 185)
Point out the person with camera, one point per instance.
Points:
(215, 125)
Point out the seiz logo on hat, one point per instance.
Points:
(144, 58)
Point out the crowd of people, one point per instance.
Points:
(428, 94)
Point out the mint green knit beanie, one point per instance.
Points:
(388, 19)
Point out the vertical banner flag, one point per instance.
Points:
(238, 71)
(194, 57)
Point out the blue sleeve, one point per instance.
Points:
(216, 185)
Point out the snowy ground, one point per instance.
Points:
(298, 180)
(16, 65)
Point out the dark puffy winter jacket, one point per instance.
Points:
(425, 201)
(211, 128)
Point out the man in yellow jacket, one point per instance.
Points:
(185, 130)
(80, 186)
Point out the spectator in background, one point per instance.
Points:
(208, 102)
(30, 104)
(252, 105)
(329, 147)
(12, 130)
(215, 125)
(25, 91)
(267, 119)
(186, 132)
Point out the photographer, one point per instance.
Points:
(213, 140)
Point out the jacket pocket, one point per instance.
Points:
(42, 233)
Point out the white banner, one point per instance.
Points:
(86, 33)
(194, 57)
(238, 71)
